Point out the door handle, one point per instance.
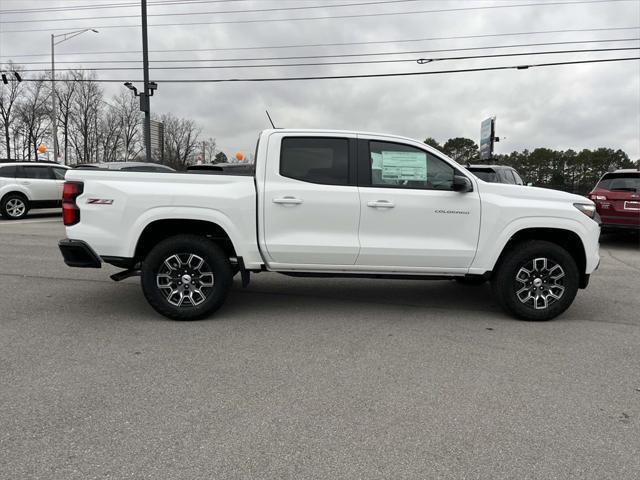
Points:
(380, 204)
(288, 200)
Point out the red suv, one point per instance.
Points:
(617, 198)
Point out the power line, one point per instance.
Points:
(218, 12)
(357, 62)
(333, 17)
(370, 75)
(343, 55)
(372, 42)
(102, 6)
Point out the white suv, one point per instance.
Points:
(27, 185)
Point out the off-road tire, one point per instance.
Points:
(183, 246)
(506, 287)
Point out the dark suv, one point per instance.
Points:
(496, 174)
(617, 198)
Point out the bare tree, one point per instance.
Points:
(34, 113)
(85, 112)
(209, 150)
(128, 113)
(110, 135)
(180, 139)
(65, 93)
(9, 95)
(20, 140)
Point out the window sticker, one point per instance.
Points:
(411, 166)
(376, 161)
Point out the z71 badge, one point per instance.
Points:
(100, 201)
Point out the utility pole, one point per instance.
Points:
(148, 87)
(144, 99)
(54, 111)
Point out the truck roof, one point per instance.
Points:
(40, 163)
(334, 131)
(489, 166)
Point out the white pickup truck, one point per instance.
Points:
(331, 203)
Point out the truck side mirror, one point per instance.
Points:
(462, 184)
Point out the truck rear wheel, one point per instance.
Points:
(537, 280)
(186, 277)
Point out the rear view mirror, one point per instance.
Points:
(462, 184)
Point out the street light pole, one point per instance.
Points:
(146, 90)
(54, 109)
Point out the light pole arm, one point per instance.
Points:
(70, 35)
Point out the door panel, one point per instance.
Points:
(311, 212)
(410, 216)
(424, 228)
(39, 181)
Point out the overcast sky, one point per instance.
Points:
(576, 106)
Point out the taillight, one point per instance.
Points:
(70, 210)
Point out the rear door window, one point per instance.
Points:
(315, 160)
(36, 172)
(58, 172)
(517, 177)
(8, 171)
(486, 174)
(508, 177)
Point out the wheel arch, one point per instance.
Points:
(567, 239)
(159, 230)
(14, 191)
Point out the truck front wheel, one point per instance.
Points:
(186, 277)
(536, 280)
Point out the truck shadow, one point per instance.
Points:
(279, 293)
(621, 240)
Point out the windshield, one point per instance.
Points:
(620, 181)
(486, 174)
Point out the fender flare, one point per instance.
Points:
(16, 189)
(525, 223)
(183, 213)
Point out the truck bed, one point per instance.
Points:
(115, 203)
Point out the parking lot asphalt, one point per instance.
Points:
(312, 378)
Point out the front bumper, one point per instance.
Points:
(77, 253)
(620, 226)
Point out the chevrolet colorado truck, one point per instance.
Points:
(335, 204)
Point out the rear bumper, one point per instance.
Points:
(77, 253)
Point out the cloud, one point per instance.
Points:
(576, 107)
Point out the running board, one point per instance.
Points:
(131, 272)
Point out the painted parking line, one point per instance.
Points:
(39, 220)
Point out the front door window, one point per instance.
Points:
(403, 166)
